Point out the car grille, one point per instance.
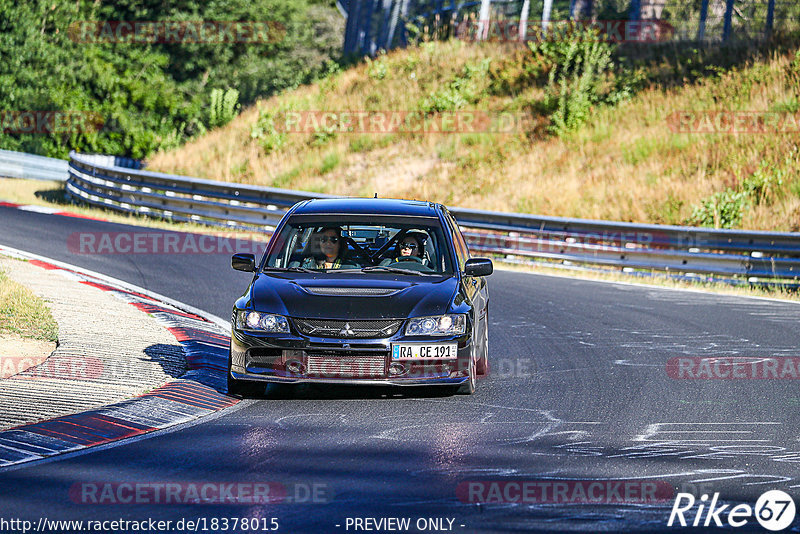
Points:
(261, 355)
(346, 365)
(348, 329)
(351, 291)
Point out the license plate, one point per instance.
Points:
(402, 351)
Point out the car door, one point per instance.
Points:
(474, 286)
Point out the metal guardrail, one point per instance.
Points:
(28, 166)
(729, 255)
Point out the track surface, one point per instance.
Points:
(578, 390)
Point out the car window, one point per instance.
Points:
(330, 243)
(462, 252)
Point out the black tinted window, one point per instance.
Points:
(310, 243)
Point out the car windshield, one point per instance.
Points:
(381, 245)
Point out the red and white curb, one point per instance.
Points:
(204, 340)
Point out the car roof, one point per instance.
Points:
(367, 206)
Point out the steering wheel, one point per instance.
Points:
(408, 258)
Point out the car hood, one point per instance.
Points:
(339, 297)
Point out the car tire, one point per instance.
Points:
(468, 387)
(483, 363)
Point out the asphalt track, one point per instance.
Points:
(578, 391)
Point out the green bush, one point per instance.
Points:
(574, 66)
(224, 107)
(514, 74)
(268, 136)
(329, 162)
(723, 209)
(580, 65)
(322, 135)
(377, 69)
(765, 186)
(362, 143)
(464, 89)
(148, 96)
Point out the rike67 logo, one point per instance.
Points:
(774, 510)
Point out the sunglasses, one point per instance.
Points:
(328, 239)
(411, 246)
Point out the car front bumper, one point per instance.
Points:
(292, 359)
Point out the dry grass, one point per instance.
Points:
(626, 164)
(368, 163)
(24, 314)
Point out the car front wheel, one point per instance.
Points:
(483, 363)
(468, 387)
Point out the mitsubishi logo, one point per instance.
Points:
(346, 331)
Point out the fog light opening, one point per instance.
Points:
(396, 369)
(295, 367)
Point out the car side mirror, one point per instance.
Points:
(244, 262)
(478, 267)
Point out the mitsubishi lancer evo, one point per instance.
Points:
(362, 291)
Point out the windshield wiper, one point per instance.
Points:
(288, 269)
(390, 270)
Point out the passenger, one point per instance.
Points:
(327, 250)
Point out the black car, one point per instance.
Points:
(362, 291)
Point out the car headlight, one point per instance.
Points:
(437, 325)
(268, 322)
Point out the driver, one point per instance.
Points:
(410, 248)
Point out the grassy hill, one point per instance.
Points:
(618, 157)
